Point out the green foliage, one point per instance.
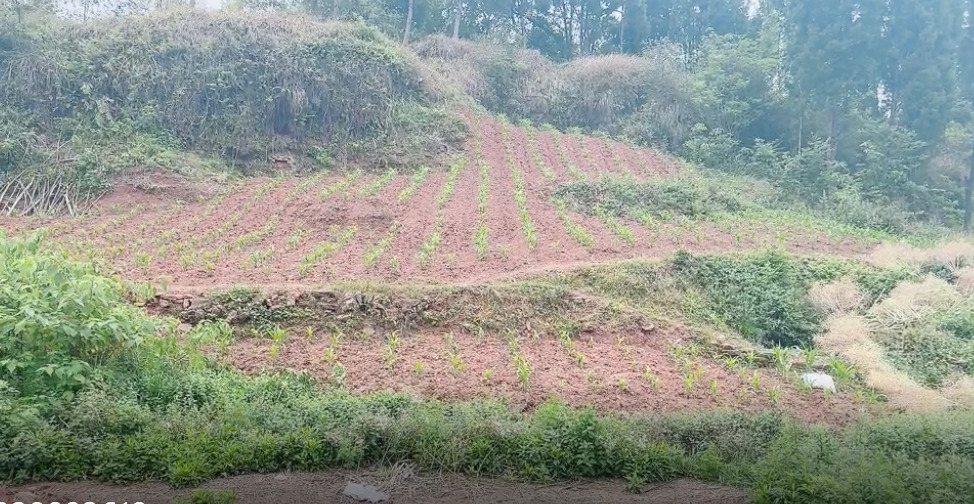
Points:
(59, 320)
(231, 92)
(209, 497)
(933, 345)
(878, 194)
(761, 296)
(928, 355)
(908, 459)
(877, 283)
(689, 195)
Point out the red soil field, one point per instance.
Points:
(612, 377)
(322, 229)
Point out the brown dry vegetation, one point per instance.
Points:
(856, 335)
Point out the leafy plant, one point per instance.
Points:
(480, 234)
(209, 497)
(409, 191)
(842, 371)
(781, 358)
(376, 250)
(341, 186)
(295, 238)
(59, 319)
(143, 261)
(342, 237)
(574, 229)
(429, 247)
(389, 354)
(615, 226)
(456, 168)
(453, 353)
(380, 183)
(520, 364)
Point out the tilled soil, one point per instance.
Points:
(264, 230)
(637, 373)
(402, 485)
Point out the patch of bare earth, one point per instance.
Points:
(403, 484)
(636, 373)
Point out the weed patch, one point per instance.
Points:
(763, 297)
(661, 198)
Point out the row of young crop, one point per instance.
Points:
(224, 215)
(742, 378)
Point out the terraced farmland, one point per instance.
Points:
(423, 226)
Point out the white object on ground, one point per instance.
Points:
(819, 381)
(364, 493)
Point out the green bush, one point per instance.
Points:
(59, 320)
(819, 466)
(231, 85)
(761, 296)
(877, 283)
(929, 355)
(209, 497)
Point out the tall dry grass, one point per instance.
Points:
(849, 337)
(837, 298)
(954, 253)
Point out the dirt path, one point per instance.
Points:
(402, 485)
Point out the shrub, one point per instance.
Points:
(763, 296)
(688, 195)
(59, 319)
(235, 85)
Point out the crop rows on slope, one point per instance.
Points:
(492, 213)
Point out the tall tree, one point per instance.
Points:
(919, 45)
(457, 15)
(634, 27)
(966, 68)
(692, 20)
(831, 52)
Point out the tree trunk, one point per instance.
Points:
(833, 141)
(456, 19)
(409, 22)
(968, 189)
(622, 29)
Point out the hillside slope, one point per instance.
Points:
(493, 213)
